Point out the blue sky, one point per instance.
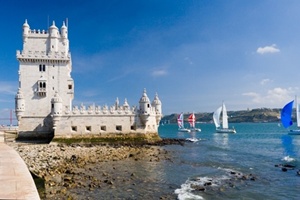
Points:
(193, 53)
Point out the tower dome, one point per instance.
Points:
(156, 104)
(64, 31)
(156, 100)
(145, 108)
(126, 105)
(26, 25)
(26, 29)
(144, 98)
(53, 30)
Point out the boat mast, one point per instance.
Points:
(297, 112)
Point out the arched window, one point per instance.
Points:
(41, 90)
(42, 68)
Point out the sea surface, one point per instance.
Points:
(245, 165)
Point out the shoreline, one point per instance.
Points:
(70, 171)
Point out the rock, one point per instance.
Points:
(67, 178)
(198, 187)
(108, 182)
(284, 169)
(64, 167)
(207, 183)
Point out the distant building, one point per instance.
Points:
(46, 91)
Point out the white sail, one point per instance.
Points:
(180, 121)
(216, 117)
(224, 117)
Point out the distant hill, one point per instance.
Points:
(254, 115)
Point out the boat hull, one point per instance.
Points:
(223, 130)
(195, 130)
(294, 132)
(183, 130)
(192, 139)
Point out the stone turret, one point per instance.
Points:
(156, 104)
(26, 30)
(20, 105)
(53, 34)
(56, 109)
(145, 108)
(64, 31)
(126, 105)
(64, 36)
(53, 31)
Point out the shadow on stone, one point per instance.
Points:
(40, 185)
(35, 137)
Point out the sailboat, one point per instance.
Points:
(192, 120)
(180, 123)
(224, 122)
(286, 117)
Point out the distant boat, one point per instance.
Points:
(286, 117)
(192, 120)
(180, 123)
(216, 118)
(192, 139)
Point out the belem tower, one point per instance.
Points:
(43, 103)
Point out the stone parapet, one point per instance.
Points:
(16, 181)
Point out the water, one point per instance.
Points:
(253, 153)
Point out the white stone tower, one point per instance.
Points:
(156, 104)
(44, 69)
(46, 91)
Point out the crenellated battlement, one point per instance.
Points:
(38, 31)
(43, 56)
(99, 110)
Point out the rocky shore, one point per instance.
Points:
(76, 171)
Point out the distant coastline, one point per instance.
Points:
(258, 115)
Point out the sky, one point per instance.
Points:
(194, 54)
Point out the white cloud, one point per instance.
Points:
(256, 98)
(274, 97)
(265, 81)
(159, 72)
(268, 49)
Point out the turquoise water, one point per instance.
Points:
(218, 158)
(227, 166)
